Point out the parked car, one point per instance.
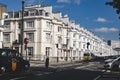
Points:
(110, 58)
(99, 58)
(11, 61)
(113, 64)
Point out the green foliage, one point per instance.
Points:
(115, 4)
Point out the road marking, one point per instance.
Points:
(17, 78)
(84, 66)
(108, 71)
(97, 77)
(39, 74)
(103, 70)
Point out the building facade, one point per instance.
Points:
(51, 35)
(115, 44)
(2, 11)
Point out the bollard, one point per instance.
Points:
(47, 63)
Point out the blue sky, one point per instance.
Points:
(91, 14)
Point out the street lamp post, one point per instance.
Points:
(22, 29)
(57, 53)
(119, 38)
(119, 42)
(67, 45)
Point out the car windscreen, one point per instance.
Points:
(8, 53)
(86, 54)
(114, 57)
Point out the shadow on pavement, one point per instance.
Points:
(43, 69)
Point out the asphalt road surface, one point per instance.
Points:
(84, 71)
(77, 71)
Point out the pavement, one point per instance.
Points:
(53, 66)
(38, 68)
(41, 64)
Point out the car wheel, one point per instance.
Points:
(115, 68)
(3, 70)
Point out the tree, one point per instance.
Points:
(115, 4)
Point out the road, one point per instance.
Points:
(77, 71)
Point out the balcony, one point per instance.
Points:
(16, 42)
(28, 13)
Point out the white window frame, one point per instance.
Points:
(48, 37)
(29, 37)
(32, 12)
(59, 29)
(6, 37)
(74, 53)
(79, 44)
(30, 24)
(30, 50)
(6, 25)
(48, 50)
(74, 43)
(59, 39)
(74, 34)
(48, 25)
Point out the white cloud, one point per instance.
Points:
(77, 1)
(113, 29)
(63, 1)
(105, 29)
(69, 1)
(99, 19)
(61, 6)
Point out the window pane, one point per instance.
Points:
(7, 25)
(32, 12)
(74, 43)
(47, 51)
(59, 40)
(48, 37)
(48, 25)
(30, 51)
(59, 29)
(6, 37)
(30, 36)
(30, 24)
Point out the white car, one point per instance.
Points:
(113, 64)
(110, 58)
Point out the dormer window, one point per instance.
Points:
(6, 16)
(16, 15)
(36, 12)
(47, 14)
(10, 14)
(32, 12)
(41, 12)
(7, 25)
(25, 13)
